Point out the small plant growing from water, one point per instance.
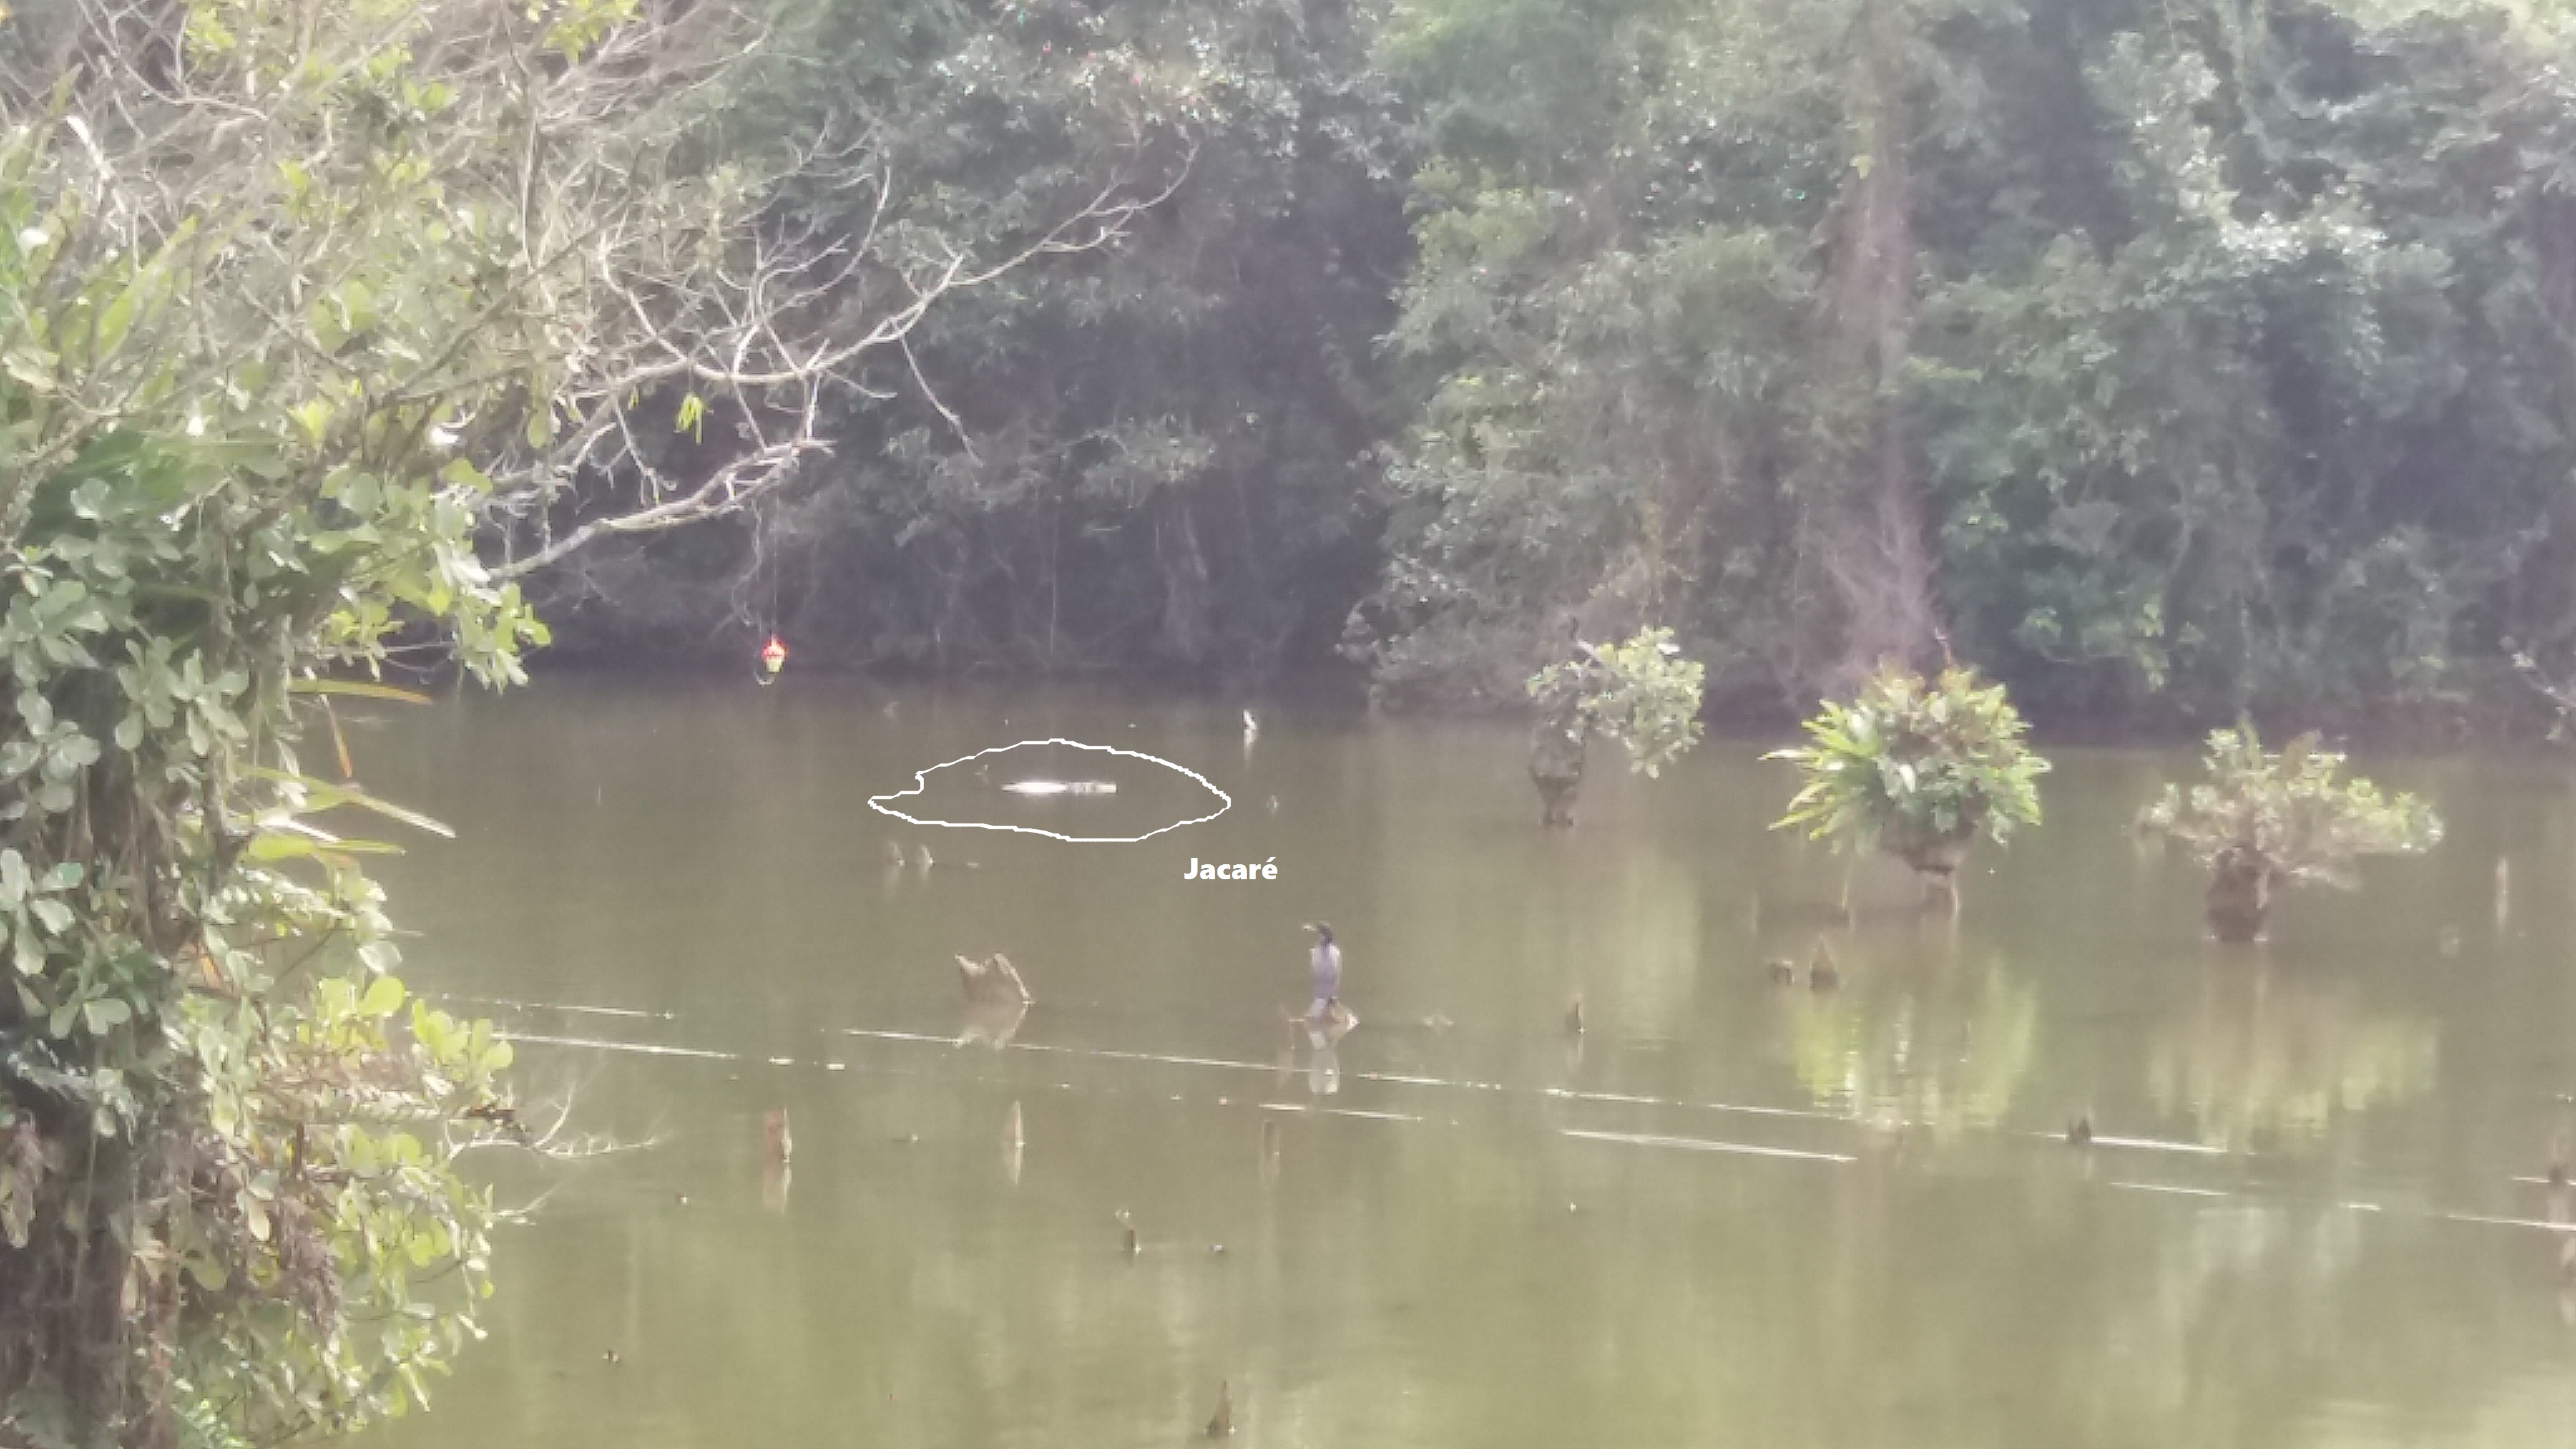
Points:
(1917, 768)
(1642, 693)
(2263, 820)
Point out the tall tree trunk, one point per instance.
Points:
(1185, 581)
(1875, 548)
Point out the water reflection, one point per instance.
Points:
(1014, 1144)
(1913, 1035)
(2261, 1054)
(1322, 1041)
(992, 1023)
(777, 1146)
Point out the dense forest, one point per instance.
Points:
(2171, 362)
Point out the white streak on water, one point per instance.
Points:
(1702, 1144)
(2509, 1222)
(645, 1048)
(2167, 1187)
(624, 1011)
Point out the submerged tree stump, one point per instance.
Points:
(1935, 860)
(1556, 767)
(2239, 900)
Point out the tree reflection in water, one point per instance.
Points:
(2264, 1056)
(1916, 1036)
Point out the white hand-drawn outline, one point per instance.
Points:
(921, 782)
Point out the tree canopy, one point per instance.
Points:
(2170, 361)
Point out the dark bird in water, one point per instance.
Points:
(1574, 1014)
(1782, 973)
(1324, 965)
(991, 980)
(1129, 1225)
(1822, 974)
(2558, 1159)
(1223, 1423)
(2079, 1132)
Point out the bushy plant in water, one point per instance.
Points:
(1642, 693)
(1918, 768)
(2264, 819)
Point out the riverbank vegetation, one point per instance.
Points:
(2177, 363)
(2174, 364)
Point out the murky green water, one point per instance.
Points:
(1467, 1227)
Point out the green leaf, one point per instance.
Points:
(384, 997)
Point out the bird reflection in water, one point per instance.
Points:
(992, 1023)
(1269, 1151)
(1014, 1143)
(1319, 1037)
(1323, 1054)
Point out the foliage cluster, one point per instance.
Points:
(1918, 768)
(300, 307)
(1641, 693)
(227, 1182)
(2263, 818)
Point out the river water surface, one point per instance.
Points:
(1727, 1212)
